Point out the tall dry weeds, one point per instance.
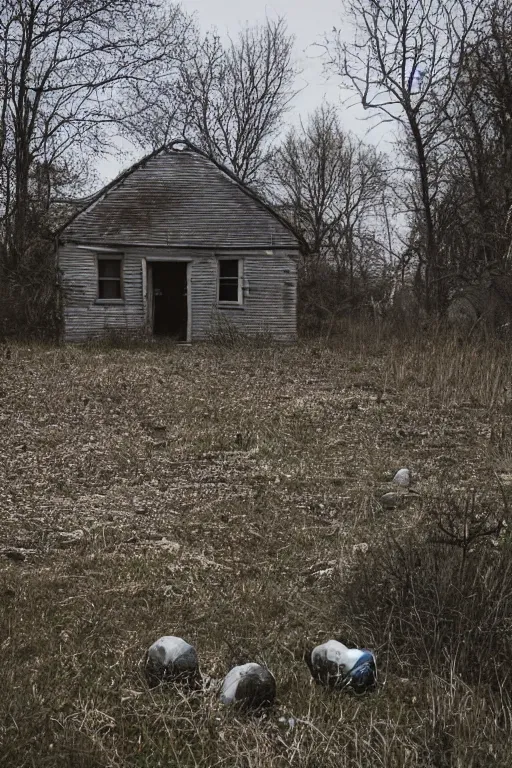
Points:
(220, 492)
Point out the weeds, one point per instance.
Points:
(227, 494)
(432, 612)
(228, 334)
(466, 522)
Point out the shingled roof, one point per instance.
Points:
(179, 197)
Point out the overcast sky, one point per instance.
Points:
(309, 21)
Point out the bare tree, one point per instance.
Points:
(405, 62)
(63, 65)
(478, 141)
(228, 99)
(331, 186)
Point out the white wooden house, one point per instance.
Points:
(177, 246)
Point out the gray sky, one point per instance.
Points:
(308, 21)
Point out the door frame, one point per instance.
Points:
(147, 291)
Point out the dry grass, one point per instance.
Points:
(220, 492)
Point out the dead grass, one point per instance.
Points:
(220, 492)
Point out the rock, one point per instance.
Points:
(402, 478)
(171, 659)
(250, 685)
(337, 666)
(390, 500)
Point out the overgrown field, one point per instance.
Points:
(230, 495)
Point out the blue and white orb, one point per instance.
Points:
(337, 666)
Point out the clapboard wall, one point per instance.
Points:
(269, 305)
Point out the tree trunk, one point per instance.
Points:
(435, 300)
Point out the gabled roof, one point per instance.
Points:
(179, 197)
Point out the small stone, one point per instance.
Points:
(402, 478)
(249, 685)
(390, 500)
(172, 659)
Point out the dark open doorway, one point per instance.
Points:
(170, 308)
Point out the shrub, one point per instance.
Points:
(29, 306)
(439, 604)
(326, 297)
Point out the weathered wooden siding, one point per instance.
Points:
(83, 317)
(269, 308)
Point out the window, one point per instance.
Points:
(230, 281)
(109, 278)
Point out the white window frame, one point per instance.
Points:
(240, 300)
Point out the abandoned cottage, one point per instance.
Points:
(177, 246)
